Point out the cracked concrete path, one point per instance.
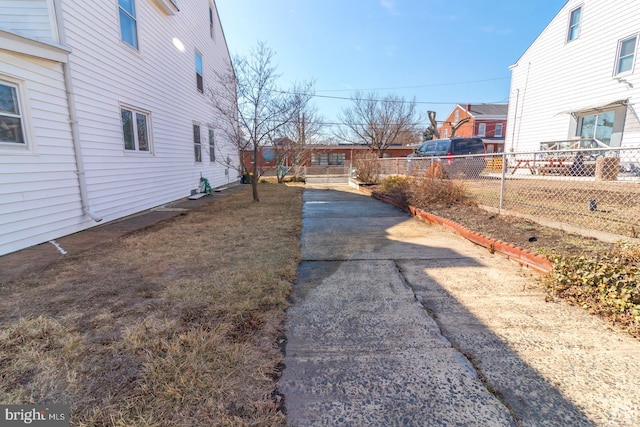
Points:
(397, 322)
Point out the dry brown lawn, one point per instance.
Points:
(170, 326)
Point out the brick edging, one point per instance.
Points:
(524, 257)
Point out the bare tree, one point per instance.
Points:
(304, 128)
(253, 106)
(377, 122)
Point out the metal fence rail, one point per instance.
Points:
(597, 189)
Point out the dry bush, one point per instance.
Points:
(174, 325)
(397, 186)
(429, 190)
(367, 167)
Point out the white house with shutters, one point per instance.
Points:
(105, 111)
(579, 79)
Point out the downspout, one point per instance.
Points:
(73, 121)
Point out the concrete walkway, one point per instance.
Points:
(397, 322)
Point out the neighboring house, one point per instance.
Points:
(104, 111)
(485, 121)
(324, 155)
(579, 78)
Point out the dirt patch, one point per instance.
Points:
(521, 232)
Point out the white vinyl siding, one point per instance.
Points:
(552, 78)
(30, 18)
(39, 196)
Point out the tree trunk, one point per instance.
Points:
(254, 178)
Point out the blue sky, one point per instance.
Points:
(441, 52)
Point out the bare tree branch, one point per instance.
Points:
(251, 98)
(377, 122)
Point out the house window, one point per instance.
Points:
(336, 159)
(626, 53)
(128, 25)
(197, 143)
(456, 116)
(211, 21)
(212, 147)
(482, 129)
(135, 129)
(199, 81)
(574, 24)
(11, 120)
(498, 132)
(597, 126)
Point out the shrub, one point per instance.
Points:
(431, 190)
(609, 283)
(367, 168)
(397, 186)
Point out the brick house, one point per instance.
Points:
(485, 121)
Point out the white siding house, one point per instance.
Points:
(105, 111)
(579, 79)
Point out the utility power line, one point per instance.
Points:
(416, 87)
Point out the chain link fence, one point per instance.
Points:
(597, 189)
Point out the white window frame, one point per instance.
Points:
(212, 145)
(482, 129)
(136, 135)
(28, 144)
(619, 56)
(570, 34)
(456, 115)
(199, 71)
(197, 143)
(501, 127)
(133, 17)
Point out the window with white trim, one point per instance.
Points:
(199, 80)
(197, 143)
(498, 132)
(482, 129)
(574, 24)
(626, 55)
(12, 124)
(128, 22)
(456, 116)
(135, 129)
(212, 146)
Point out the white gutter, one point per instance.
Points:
(75, 136)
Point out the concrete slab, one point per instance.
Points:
(361, 351)
(553, 364)
(483, 347)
